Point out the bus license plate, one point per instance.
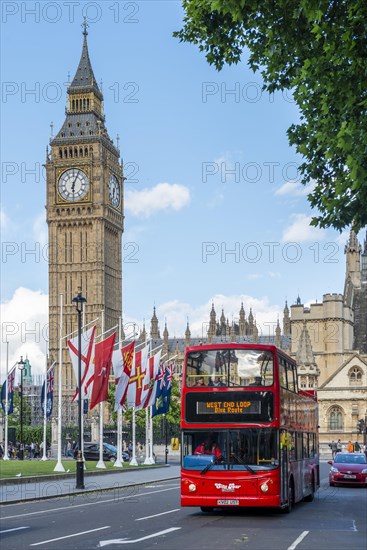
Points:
(232, 502)
(347, 476)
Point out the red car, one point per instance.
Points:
(348, 468)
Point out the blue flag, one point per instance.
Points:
(10, 393)
(164, 389)
(49, 394)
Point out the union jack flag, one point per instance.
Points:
(10, 383)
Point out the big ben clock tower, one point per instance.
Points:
(84, 214)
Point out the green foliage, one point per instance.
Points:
(316, 49)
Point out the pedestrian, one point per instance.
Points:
(130, 449)
(334, 448)
(350, 447)
(69, 450)
(339, 446)
(357, 447)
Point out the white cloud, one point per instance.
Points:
(163, 196)
(4, 221)
(24, 324)
(301, 230)
(295, 189)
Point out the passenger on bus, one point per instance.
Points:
(217, 382)
(200, 381)
(257, 382)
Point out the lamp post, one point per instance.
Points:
(21, 364)
(79, 301)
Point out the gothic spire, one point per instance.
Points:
(84, 79)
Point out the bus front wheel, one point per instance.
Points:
(311, 496)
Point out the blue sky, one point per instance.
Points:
(213, 204)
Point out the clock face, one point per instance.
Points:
(73, 184)
(114, 189)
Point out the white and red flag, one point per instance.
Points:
(122, 363)
(87, 360)
(102, 366)
(135, 390)
(151, 380)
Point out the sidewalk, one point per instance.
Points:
(61, 485)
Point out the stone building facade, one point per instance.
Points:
(328, 340)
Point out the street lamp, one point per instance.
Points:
(21, 364)
(79, 301)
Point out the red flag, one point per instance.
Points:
(122, 361)
(102, 366)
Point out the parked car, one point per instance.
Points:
(348, 468)
(91, 452)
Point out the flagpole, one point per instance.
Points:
(44, 457)
(100, 463)
(59, 467)
(118, 462)
(147, 438)
(82, 419)
(133, 461)
(6, 456)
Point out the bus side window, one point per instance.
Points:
(282, 373)
(306, 453)
(299, 451)
(292, 451)
(290, 376)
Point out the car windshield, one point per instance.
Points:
(225, 367)
(350, 459)
(249, 449)
(110, 447)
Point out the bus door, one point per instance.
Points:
(284, 467)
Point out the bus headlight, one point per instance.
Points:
(192, 487)
(264, 487)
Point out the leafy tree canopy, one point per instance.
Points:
(317, 49)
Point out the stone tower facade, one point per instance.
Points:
(84, 214)
(329, 340)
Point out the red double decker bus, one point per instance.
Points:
(249, 435)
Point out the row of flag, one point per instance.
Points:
(142, 379)
(9, 384)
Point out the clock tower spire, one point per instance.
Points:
(84, 209)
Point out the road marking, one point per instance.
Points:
(127, 541)
(297, 541)
(70, 536)
(135, 495)
(156, 515)
(15, 529)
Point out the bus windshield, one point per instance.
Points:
(251, 449)
(229, 368)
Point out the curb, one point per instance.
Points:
(77, 492)
(56, 476)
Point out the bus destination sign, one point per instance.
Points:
(228, 407)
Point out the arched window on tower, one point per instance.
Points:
(335, 419)
(355, 376)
